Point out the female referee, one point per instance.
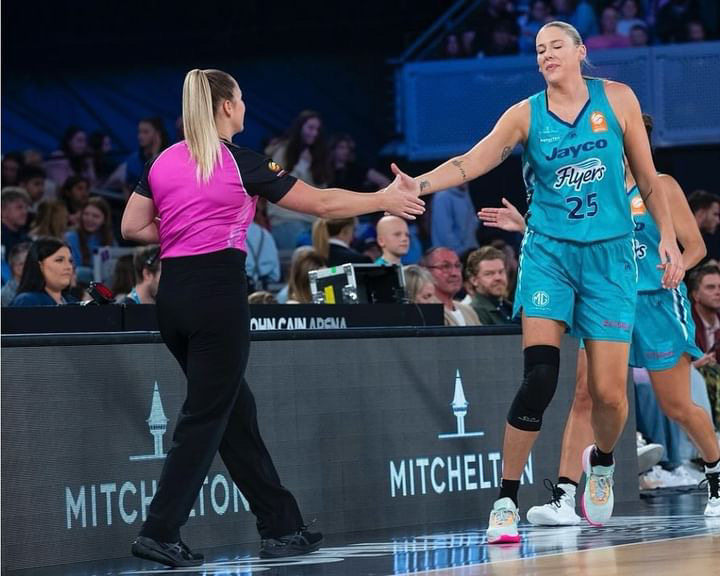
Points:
(197, 199)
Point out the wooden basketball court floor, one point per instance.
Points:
(666, 536)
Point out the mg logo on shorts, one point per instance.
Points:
(540, 299)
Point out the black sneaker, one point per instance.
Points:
(175, 554)
(295, 544)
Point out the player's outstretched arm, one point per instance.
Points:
(509, 131)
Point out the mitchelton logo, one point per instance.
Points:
(455, 472)
(101, 504)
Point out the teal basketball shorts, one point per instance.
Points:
(664, 329)
(591, 287)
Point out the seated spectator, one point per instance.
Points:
(16, 259)
(503, 40)
(705, 207)
(12, 162)
(446, 270)
(705, 295)
(123, 278)
(538, 14)
(485, 21)
(147, 266)
(367, 244)
(299, 282)
(639, 36)
(101, 150)
(331, 239)
(34, 158)
(346, 172)
(393, 238)
(51, 220)
(262, 264)
(262, 297)
(673, 18)
(32, 180)
(152, 139)
(303, 153)
(75, 192)
(451, 47)
(73, 158)
(488, 274)
(695, 31)
(467, 286)
(511, 265)
(630, 16)
(94, 230)
(419, 285)
(47, 275)
(608, 37)
(282, 295)
(578, 13)
(453, 220)
(14, 206)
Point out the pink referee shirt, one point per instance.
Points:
(202, 217)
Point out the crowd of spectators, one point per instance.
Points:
(503, 27)
(76, 193)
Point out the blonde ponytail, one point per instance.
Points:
(321, 238)
(203, 90)
(323, 230)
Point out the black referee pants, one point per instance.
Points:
(205, 322)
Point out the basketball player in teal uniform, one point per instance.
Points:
(577, 267)
(663, 341)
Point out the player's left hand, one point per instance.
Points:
(672, 263)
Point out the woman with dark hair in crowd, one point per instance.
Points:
(75, 192)
(12, 162)
(331, 239)
(51, 220)
(346, 172)
(73, 158)
(299, 279)
(47, 275)
(123, 278)
(303, 153)
(95, 229)
(101, 150)
(197, 200)
(152, 139)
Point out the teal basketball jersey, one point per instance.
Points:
(574, 173)
(647, 241)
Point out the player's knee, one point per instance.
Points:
(542, 364)
(611, 399)
(676, 411)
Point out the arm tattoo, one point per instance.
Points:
(505, 153)
(424, 185)
(646, 196)
(458, 164)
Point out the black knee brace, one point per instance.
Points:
(538, 387)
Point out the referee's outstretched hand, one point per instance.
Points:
(402, 199)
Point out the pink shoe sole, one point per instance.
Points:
(582, 507)
(587, 469)
(506, 539)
